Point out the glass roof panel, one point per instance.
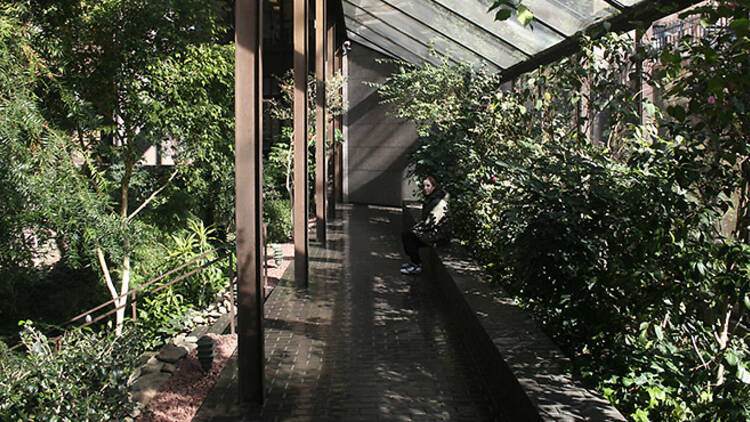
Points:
(373, 46)
(629, 3)
(569, 16)
(410, 50)
(531, 41)
(452, 26)
(387, 20)
(464, 30)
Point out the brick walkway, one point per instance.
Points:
(362, 343)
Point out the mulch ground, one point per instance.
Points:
(181, 397)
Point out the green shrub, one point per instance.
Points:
(612, 243)
(165, 313)
(86, 380)
(278, 215)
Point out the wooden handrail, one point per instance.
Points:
(223, 254)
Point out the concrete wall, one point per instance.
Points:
(376, 142)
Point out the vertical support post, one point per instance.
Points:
(338, 160)
(249, 185)
(320, 125)
(301, 244)
(232, 312)
(330, 196)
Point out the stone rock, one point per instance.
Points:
(171, 353)
(179, 338)
(144, 358)
(191, 339)
(169, 368)
(151, 366)
(145, 388)
(214, 314)
(134, 376)
(222, 309)
(199, 320)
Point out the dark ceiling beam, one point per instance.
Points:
(630, 18)
(616, 4)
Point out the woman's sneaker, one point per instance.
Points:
(411, 269)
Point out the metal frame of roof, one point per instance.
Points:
(417, 31)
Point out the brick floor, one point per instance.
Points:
(362, 343)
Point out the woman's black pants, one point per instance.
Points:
(411, 246)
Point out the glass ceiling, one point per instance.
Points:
(463, 30)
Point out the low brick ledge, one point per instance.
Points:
(522, 367)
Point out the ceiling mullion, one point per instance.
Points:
(361, 39)
(389, 39)
(465, 19)
(616, 4)
(460, 45)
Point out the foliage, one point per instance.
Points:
(86, 380)
(279, 166)
(278, 215)
(504, 9)
(112, 79)
(167, 312)
(610, 237)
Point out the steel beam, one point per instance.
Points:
(320, 122)
(330, 132)
(338, 124)
(630, 18)
(249, 186)
(301, 242)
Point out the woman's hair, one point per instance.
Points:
(432, 180)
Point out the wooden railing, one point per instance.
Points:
(223, 252)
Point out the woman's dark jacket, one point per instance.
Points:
(433, 225)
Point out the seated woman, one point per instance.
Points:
(429, 229)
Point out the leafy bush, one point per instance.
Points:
(612, 238)
(277, 214)
(167, 312)
(86, 380)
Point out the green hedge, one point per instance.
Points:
(86, 380)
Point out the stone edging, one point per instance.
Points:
(156, 368)
(522, 367)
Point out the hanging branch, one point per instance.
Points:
(153, 195)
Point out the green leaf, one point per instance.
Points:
(524, 15)
(677, 112)
(747, 301)
(502, 14)
(743, 374)
(659, 332)
(740, 27)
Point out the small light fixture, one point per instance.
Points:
(206, 352)
(278, 255)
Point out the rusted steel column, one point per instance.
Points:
(320, 126)
(338, 159)
(301, 244)
(330, 132)
(249, 185)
